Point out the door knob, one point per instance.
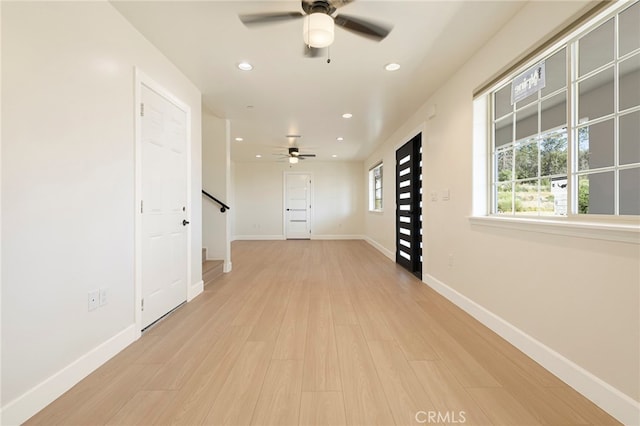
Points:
(185, 222)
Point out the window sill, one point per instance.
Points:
(376, 211)
(622, 232)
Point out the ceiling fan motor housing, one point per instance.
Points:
(318, 6)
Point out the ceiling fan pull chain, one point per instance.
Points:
(329, 54)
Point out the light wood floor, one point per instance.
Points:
(320, 333)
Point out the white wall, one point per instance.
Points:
(232, 200)
(1, 240)
(68, 191)
(215, 153)
(580, 297)
(338, 198)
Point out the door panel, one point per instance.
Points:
(297, 206)
(409, 206)
(164, 200)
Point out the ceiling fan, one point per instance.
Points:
(320, 21)
(293, 155)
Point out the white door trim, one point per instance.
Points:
(284, 201)
(142, 79)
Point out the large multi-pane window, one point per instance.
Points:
(375, 188)
(572, 146)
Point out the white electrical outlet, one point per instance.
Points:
(93, 299)
(103, 296)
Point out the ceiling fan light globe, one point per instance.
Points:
(293, 160)
(318, 30)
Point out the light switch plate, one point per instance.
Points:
(103, 297)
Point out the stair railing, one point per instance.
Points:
(223, 206)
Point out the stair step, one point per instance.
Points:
(211, 270)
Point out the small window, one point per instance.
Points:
(607, 118)
(530, 146)
(375, 188)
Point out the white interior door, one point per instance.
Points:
(297, 206)
(163, 205)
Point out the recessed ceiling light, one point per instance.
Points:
(339, 138)
(239, 139)
(392, 66)
(347, 115)
(334, 156)
(258, 156)
(245, 66)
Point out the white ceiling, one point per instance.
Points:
(288, 93)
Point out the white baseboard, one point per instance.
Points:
(391, 255)
(610, 399)
(194, 290)
(258, 237)
(337, 237)
(35, 399)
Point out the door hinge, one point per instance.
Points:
(142, 304)
(141, 206)
(142, 110)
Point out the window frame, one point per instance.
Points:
(572, 123)
(619, 228)
(579, 123)
(515, 143)
(372, 199)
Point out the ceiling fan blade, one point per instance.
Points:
(306, 155)
(373, 30)
(314, 52)
(268, 18)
